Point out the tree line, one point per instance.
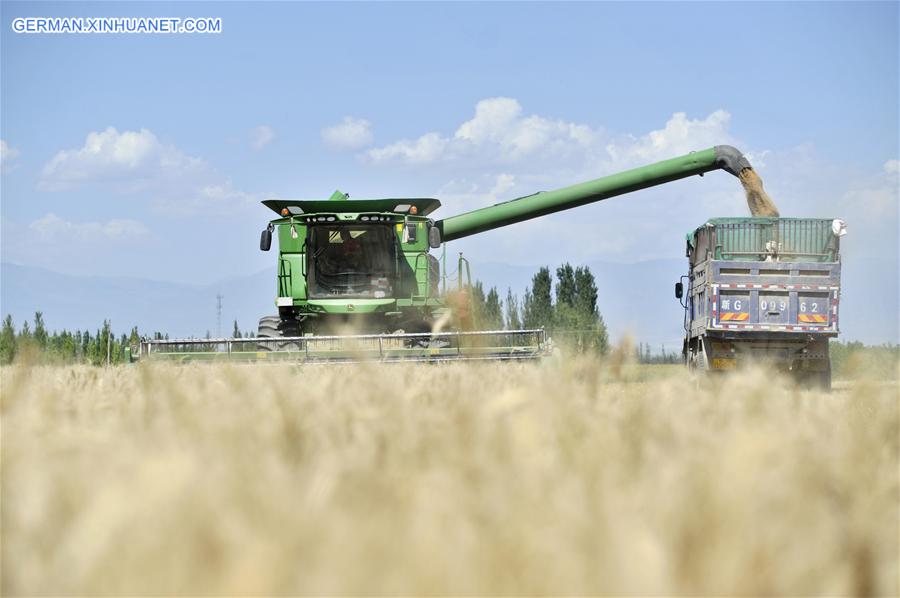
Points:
(33, 341)
(645, 354)
(566, 309)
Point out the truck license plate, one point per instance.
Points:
(723, 364)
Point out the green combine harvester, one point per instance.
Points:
(356, 279)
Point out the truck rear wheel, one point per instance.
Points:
(814, 379)
(820, 380)
(824, 380)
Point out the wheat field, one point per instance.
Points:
(577, 478)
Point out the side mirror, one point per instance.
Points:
(679, 290)
(265, 239)
(434, 237)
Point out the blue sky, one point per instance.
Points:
(147, 154)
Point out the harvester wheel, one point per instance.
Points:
(274, 327)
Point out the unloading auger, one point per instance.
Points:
(356, 279)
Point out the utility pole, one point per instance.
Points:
(219, 316)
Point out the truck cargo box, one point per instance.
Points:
(765, 239)
(762, 288)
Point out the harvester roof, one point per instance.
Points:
(424, 205)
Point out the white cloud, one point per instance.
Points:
(499, 131)
(503, 183)
(262, 136)
(225, 192)
(137, 163)
(472, 193)
(427, 148)
(134, 159)
(52, 227)
(679, 136)
(499, 122)
(349, 134)
(7, 155)
(875, 199)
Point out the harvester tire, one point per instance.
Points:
(274, 327)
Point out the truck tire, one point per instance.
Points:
(274, 327)
(701, 365)
(822, 380)
(814, 379)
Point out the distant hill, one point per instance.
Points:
(80, 302)
(636, 299)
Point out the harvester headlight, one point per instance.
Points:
(365, 218)
(331, 219)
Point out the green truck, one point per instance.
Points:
(762, 290)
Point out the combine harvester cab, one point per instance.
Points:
(356, 282)
(762, 290)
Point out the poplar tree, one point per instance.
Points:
(40, 331)
(477, 298)
(538, 307)
(7, 341)
(493, 311)
(513, 321)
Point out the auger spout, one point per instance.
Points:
(724, 157)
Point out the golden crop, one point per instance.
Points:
(481, 479)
